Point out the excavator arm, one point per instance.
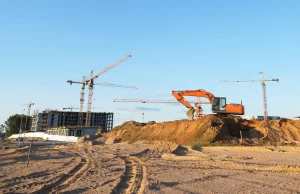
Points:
(179, 95)
(219, 105)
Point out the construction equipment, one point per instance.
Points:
(70, 108)
(91, 83)
(197, 103)
(101, 83)
(264, 91)
(151, 101)
(114, 85)
(219, 105)
(29, 107)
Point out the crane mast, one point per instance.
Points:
(90, 99)
(81, 102)
(91, 87)
(264, 91)
(29, 107)
(83, 89)
(91, 83)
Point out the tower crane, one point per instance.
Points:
(29, 107)
(84, 83)
(70, 108)
(91, 83)
(152, 101)
(197, 103)
(264, 91)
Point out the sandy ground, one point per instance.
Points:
(143, 168)
(212, 129)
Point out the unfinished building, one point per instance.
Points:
(73, 131)
(55, 119)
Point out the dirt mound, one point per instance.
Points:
(111, 140)
(210, 129)
(87, 140)
(204, 131)
(282, 131)
(156, 149)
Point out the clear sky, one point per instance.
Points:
(175, 45)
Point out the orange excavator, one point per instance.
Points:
(219, 105)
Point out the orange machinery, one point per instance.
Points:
(219, 105)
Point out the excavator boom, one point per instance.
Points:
(179, 95)
(219, 105)
(197, 93)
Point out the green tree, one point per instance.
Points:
(13, 124)
(2, 128)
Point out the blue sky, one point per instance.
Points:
(175, 45)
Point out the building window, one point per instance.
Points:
(71, 133)
(78, 133)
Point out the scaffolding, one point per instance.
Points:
(54, 119)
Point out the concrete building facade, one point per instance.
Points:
(55, 119)
(73, 131)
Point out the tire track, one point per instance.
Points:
(133, 179)
(139, 181)
(67, 179)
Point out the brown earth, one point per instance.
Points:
(154, 162)
(211, 129)
(149, 167)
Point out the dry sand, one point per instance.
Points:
(211, 129)
(153, 162)
(151, 168)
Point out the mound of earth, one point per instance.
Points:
(210, 129)
(87, 140)
(283, 130)
(111, 140)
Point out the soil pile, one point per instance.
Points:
(156, 149)
(111, 140)
(87, 140)
(210, 129)
(283, 131)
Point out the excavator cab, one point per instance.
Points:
(219, 106)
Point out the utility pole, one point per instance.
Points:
(20, 130)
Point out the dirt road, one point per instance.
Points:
(144, 168)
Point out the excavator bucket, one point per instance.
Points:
(190, 113)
